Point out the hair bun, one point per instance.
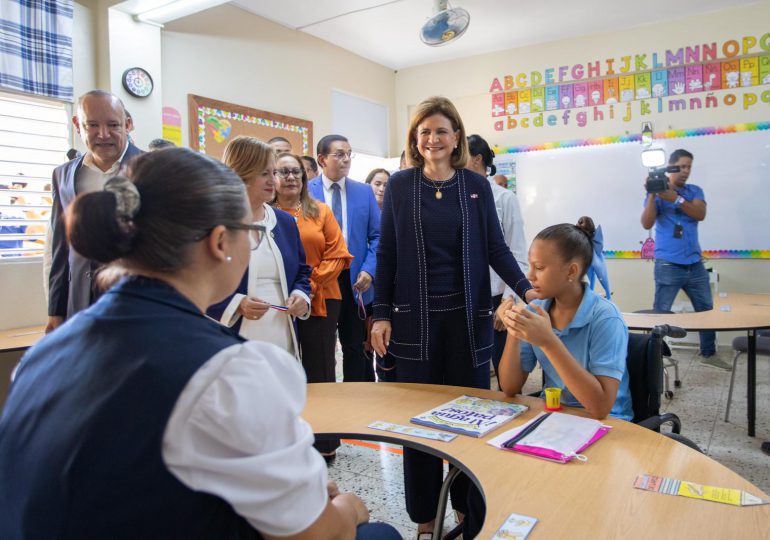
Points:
(127, 201)
(586, 224)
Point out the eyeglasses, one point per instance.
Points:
(342, 155)
(284, 173)
(256, 233)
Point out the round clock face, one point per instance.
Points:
(137, 82)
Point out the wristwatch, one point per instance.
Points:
(678, 201)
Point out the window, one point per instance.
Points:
(34, 138)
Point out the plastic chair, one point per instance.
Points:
(645, 376)
(672, 362)
(740, 346)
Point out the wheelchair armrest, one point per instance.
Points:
(654, 422)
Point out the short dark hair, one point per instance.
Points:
(183, 195)
(573, 241)
(325, 144)
(311, 161)
(157, 144)
(478, 146)
(680, 153)
(72, 153)
(278, 138)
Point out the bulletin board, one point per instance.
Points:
(214, 123)
(562, 182)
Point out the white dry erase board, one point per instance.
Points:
(606, 183)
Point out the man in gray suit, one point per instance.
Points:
(102, 125)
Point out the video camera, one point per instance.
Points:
(655, 160)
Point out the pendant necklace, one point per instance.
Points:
(436, 185)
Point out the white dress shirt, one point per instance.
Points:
(328, 193)
(509, 214)
(236, 432)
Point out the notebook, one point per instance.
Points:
(554, 436)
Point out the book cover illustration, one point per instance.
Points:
(470, 415)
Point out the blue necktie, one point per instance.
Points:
(337, 203)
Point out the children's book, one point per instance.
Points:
(468, 415)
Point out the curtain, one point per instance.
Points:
(36, 47)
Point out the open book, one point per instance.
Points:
(555, 436)
(470, 415)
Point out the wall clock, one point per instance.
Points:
(137, 82)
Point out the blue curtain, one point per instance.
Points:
(36, 47)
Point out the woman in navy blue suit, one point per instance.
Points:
(439, 234)
(276, 286)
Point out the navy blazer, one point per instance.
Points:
(402, 292)
(70, 287)
(363, 221)
(286, 236)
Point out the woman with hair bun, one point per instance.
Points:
(481, 161)
(579, 338)
(140, 417)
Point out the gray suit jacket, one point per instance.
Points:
(70, 280)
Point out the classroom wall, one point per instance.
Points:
(229, 54)
(467, 81)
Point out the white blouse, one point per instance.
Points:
(236, 432)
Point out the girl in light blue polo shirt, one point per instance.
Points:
(578, 337)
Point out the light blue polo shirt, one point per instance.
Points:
(684, 250)
(598, 339)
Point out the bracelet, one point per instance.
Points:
(679, 200)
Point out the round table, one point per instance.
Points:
(747, 312)
(595, 499)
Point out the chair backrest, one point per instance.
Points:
(644, 361)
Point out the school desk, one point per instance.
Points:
(732, 312)
(594, 499)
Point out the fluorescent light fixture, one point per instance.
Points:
(176, 9)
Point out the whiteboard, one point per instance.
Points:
(605, 182)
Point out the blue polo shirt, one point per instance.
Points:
(684, 250)
(597, 338)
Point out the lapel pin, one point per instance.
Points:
(474, 195)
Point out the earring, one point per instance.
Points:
(570, 280)
(230, 259)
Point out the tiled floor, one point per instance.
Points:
(375, 472)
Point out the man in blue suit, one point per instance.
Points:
(355, 208)
(102, 124)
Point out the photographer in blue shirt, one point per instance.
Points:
(678, 259)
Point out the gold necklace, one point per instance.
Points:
(296, 211)
(435, 183)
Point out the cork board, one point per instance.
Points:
(214, 123)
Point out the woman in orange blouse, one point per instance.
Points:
(327, 255)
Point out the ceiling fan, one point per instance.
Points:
(447, 24)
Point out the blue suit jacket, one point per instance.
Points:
(402, 292)
(363, 221)
(70, 286)
(286, 236)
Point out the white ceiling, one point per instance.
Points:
(387, 32)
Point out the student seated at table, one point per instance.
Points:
(578, 337)
(142, 418)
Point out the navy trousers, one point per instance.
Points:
(449, 363)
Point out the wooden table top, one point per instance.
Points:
(18, 339)
(746, 312)
(595, 499)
